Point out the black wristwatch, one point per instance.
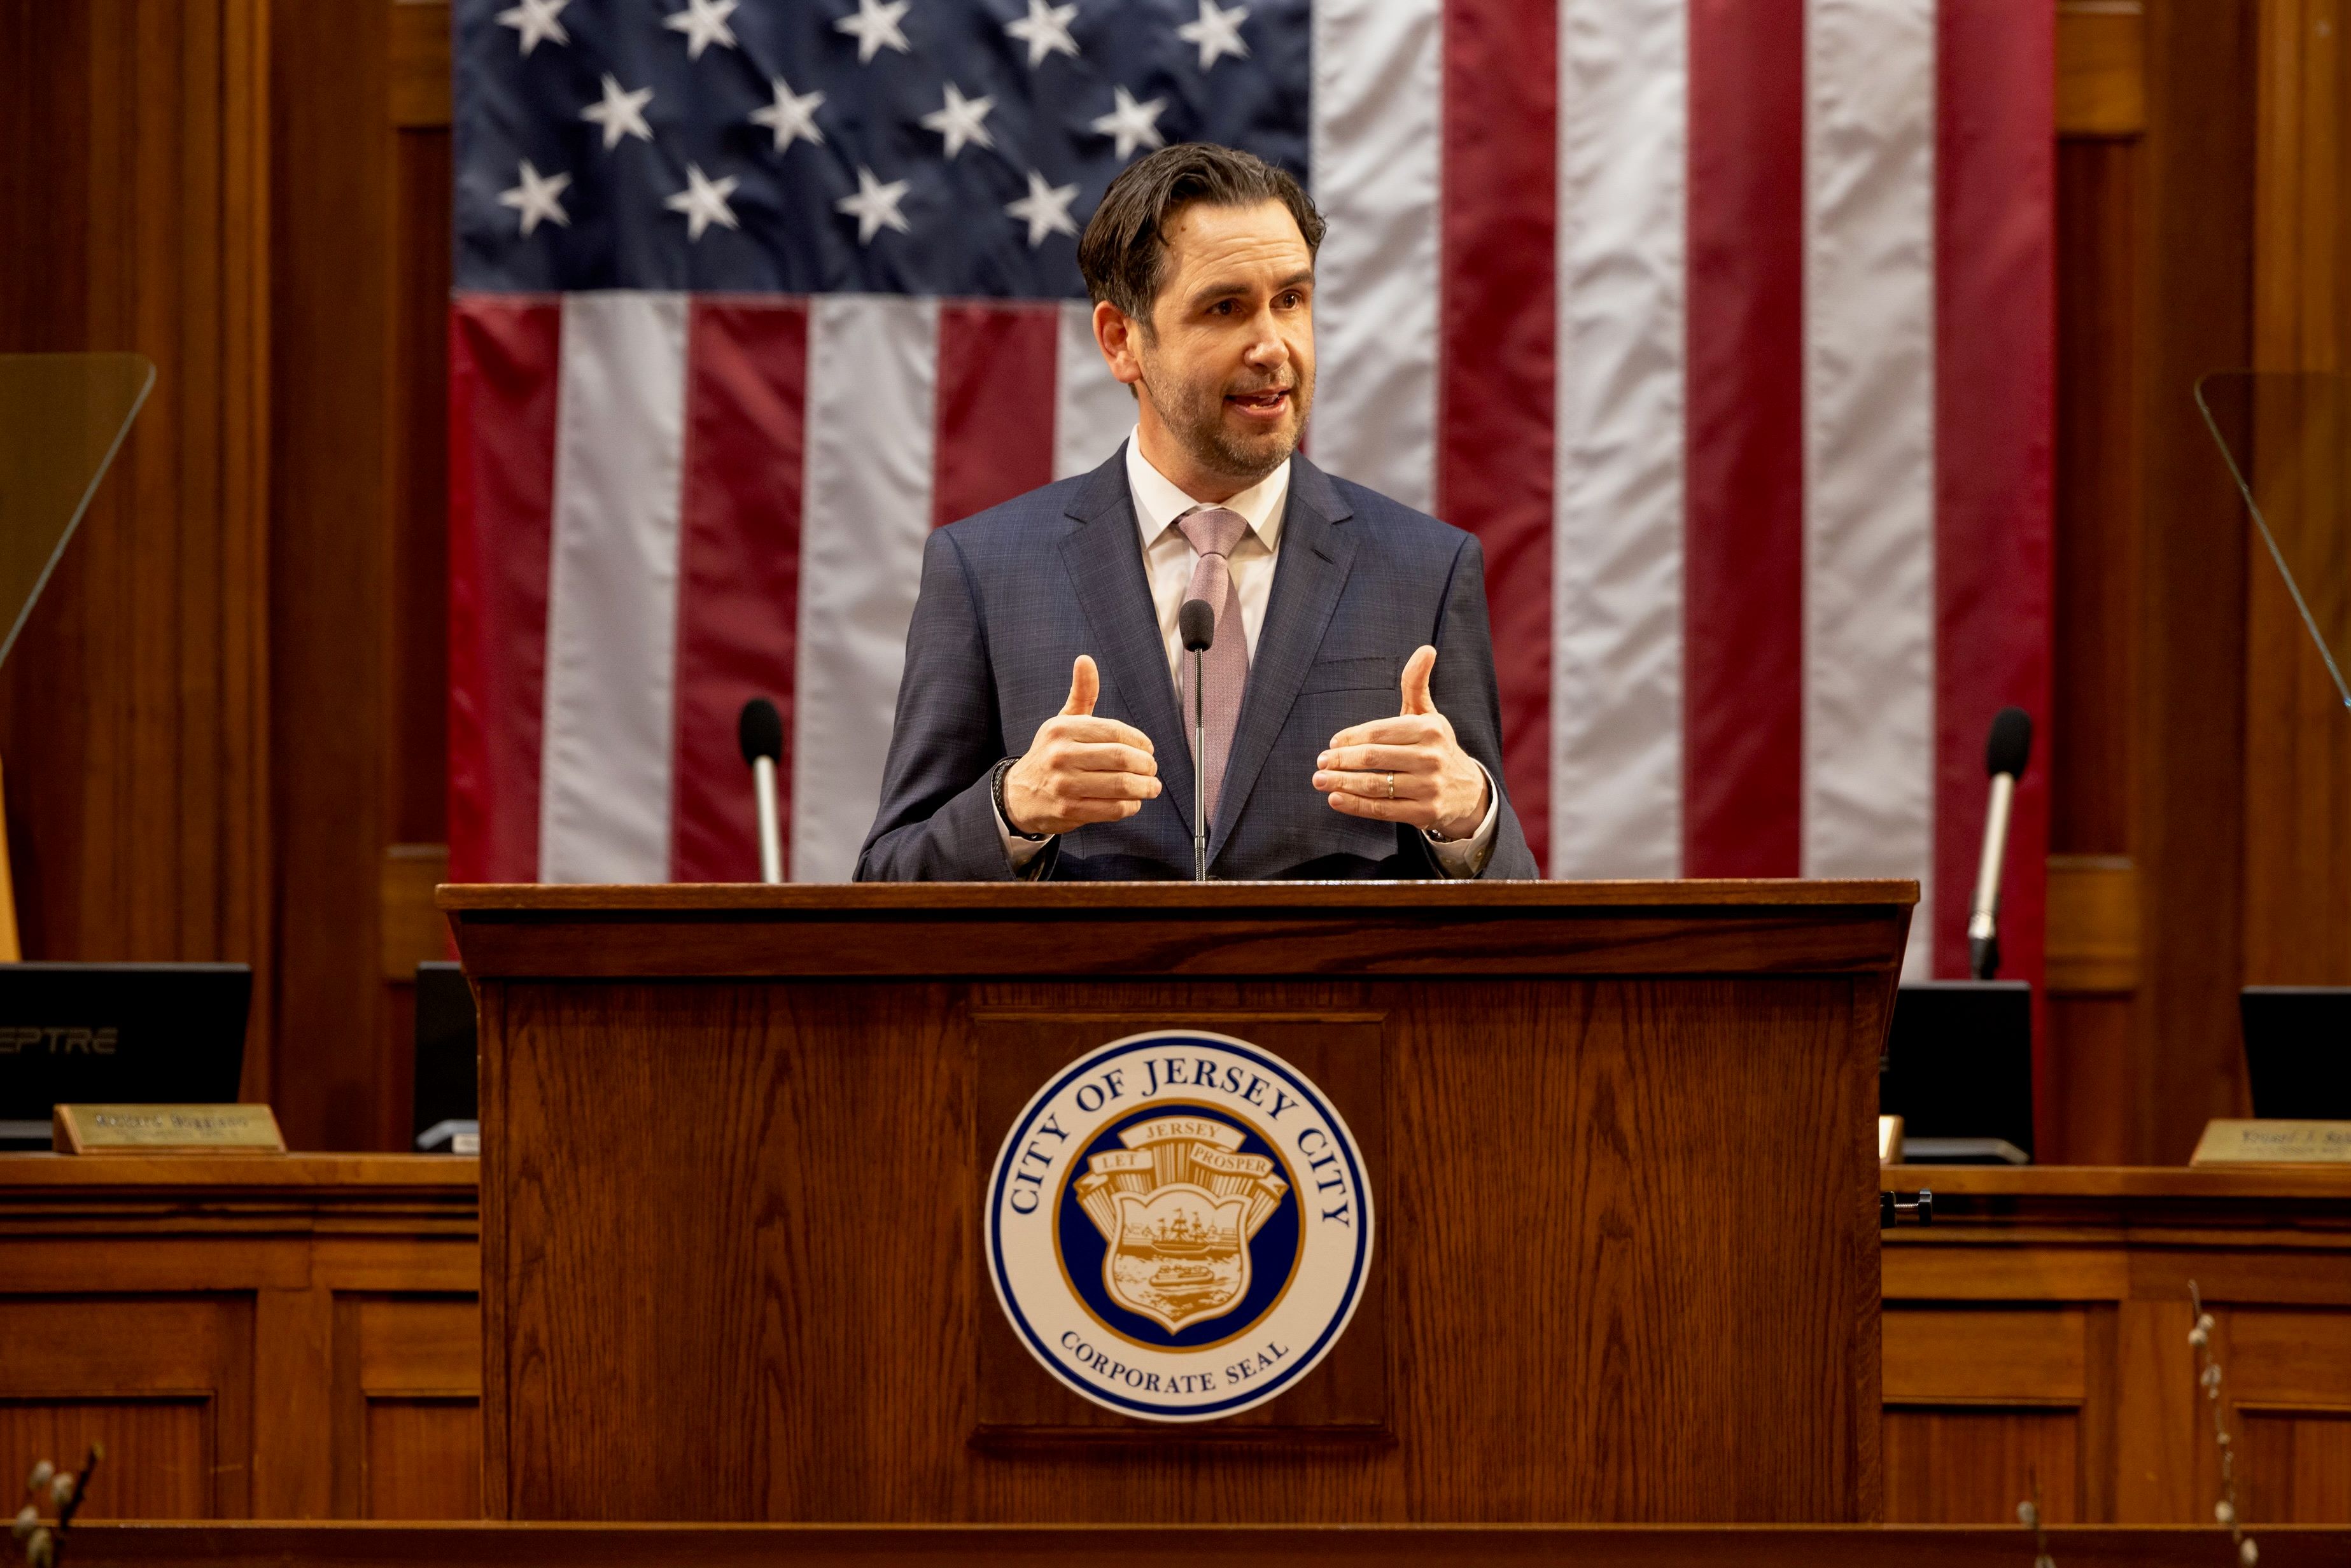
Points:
(996, 793)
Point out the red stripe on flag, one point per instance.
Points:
(1994, 405)
(504, 370)
(738, 571)
(1496, 341)
(1743, 561)
(995, 406)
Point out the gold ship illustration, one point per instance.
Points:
(1178, 1207)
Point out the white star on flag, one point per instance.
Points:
(536, 197)
(621, 113)
(703, 201)
(876, 27)
(875, 206)
(537, 22)
(959, 121)
(704, 22)
(1045, 209)
(1131, 123)
(791, 117)
(1046, 30)
(1217, 32)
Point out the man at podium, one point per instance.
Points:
(1333, 686)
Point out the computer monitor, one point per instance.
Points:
(447, 1091)
(1958, 1070)
(2298, 1051)
(138, 1034)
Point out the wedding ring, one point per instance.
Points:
(1391, 786)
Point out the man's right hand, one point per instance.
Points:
(1081, 768)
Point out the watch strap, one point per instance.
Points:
(996, 793)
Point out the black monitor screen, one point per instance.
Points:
(2298, 1051)
(1958, 1061)
(122, 1033)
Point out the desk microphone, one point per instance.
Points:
(1197, 623)
(2004, 757)
(761, 731)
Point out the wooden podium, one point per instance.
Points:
(1619, 1135)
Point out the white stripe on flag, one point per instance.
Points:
(1616, 655)
(873, 377)
(1093, 410)
(1869, 410)
(1377, 131)
(611, 610)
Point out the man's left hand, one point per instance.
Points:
(1409, 768)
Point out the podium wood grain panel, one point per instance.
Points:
(988, 930)
(735, 1142)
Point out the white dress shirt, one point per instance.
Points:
(1167, 561)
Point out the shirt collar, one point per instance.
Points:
(1158, 502)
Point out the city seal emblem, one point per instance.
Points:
(1178, 1226)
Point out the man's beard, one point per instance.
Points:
(1196, 416)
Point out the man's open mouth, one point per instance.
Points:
(1263, 404)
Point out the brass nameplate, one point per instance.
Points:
(166, 1130)
(2227, 1142)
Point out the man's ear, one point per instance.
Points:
(1119, 336)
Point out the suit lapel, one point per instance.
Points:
(1308, 575)
(1103, 557)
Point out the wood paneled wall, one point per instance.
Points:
(224, 730)
(2297, 822)
(134, 215)
(2152, 777)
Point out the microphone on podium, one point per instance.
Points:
(1195, 622)
(761, 730)
(2004, 758)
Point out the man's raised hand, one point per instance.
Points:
(1081, 768)
(1409, 768)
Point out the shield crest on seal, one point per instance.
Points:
(1178, 1207)
(1180, 1256)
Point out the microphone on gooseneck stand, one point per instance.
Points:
(760, 729)
(2004, 758)
(1196, 623)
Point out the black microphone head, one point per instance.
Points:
(2011, 743)
(761, 731)
(1198, 624)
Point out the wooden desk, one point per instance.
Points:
(307, 1326)
(288, 1337)
(2040, 1326)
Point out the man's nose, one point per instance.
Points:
(1267, 351)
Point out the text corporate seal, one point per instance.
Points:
(1178, 1226)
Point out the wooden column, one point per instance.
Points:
(359, 108)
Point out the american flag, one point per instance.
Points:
(1725, 323)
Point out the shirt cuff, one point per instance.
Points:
(1467, 857)
(1018, 850)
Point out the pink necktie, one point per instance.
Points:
(1212, 532)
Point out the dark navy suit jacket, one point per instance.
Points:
(1012, 597)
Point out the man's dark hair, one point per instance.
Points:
(1124, 250)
